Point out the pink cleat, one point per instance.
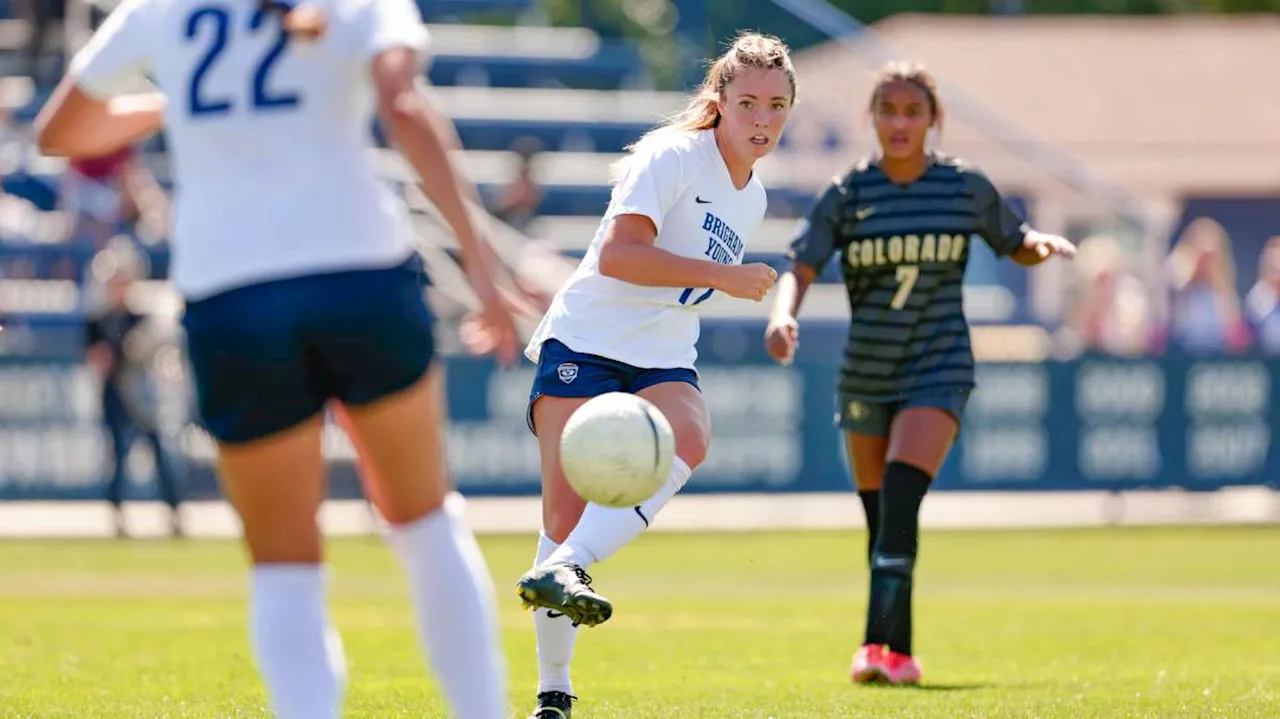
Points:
(873, 664)
(902, 668)
(869, 665)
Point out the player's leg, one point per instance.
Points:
(378, 352)
(255, 400)
(602, 531)
(920, 439)
(559, 584)
(563, 382)
(866, 461)
(276, 485)
(369, 483)
(561, 508)
(866, 441)
(866, 431)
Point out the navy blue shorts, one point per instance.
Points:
(565, 373)
(876, 418)
(268, 356)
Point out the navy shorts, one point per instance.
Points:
(565, 373)
(268, 356)
(875, 418)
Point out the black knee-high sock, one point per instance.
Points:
(894, 558)
(871, 506)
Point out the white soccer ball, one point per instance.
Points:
(617, 450)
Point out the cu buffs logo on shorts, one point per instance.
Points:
(858, 411)
(567, 372)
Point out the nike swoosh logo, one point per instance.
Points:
(864, 213)
(554, 614)
(701, 201)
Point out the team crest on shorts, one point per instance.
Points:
(858, 411)
(567, 371)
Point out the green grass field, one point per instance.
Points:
(1159, 623)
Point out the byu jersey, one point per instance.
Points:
(678, 180)
(268, 135)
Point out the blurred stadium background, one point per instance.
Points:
(1139, 384)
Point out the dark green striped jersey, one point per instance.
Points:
(903, 251)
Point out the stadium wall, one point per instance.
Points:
(1092, 423)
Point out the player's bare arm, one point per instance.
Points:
(413, 121)
(782, 335)
(628, 254)
(76, 124)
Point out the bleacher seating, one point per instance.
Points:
(582, 97)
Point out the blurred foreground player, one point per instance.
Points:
(902, 222)
(686, 203)
(302, 288)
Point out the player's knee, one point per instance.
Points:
(301, 545)
(692, 443)
(558, 522)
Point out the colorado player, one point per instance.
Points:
(903, 222)
(302, 288)
(685, 202)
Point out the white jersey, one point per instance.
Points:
(678, 180)
(268, 135)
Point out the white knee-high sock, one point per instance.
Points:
(604, 530)
(556, 637)
(299, 655)
(456, 611)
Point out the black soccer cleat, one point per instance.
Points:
(554, 705)
(564, 588)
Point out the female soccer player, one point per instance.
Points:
(302, 288)
(685, 202)
(902, 221)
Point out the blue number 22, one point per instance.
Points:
(220, 19)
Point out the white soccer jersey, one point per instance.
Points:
(268, 135)
(678, 180)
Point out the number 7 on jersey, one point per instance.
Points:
(907, 276)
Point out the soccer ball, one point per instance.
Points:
(617, 450)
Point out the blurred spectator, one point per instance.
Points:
(116, 343)
(41, 16)
(1112, 312)
(1205, 309)
(518, 202)
(101, 193)
(1262, 304)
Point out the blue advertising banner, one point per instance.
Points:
(1089, 423)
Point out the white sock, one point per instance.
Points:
(556, 636)
(456, 610)
(299, 655)
(604, 530)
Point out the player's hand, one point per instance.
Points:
(493, 328)
(782, 338)
(1046, 245)
(306, 22)
(491, 331)
(748, 282)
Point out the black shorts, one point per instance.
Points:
(268, 356)
(875, 418)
